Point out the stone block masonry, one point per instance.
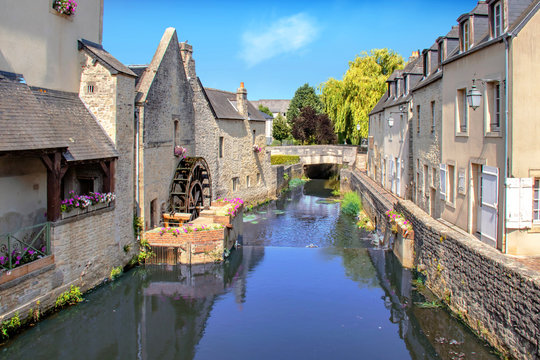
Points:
(493, 293)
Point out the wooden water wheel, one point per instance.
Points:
(191, 187)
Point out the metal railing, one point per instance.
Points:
(25, 245)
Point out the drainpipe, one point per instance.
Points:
(506, 52)
(137, 160)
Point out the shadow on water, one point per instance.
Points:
(344, 300)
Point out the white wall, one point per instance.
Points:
(40, 43)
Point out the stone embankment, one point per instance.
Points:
(495, 294)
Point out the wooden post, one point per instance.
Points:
(55, 173)
(108, 178)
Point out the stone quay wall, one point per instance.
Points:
(493, 293)
(84, 252)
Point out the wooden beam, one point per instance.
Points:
(55, 172)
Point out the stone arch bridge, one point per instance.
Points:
(323, 154)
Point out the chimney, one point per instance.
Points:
(186, 51)
(414, 55)
(241, 100)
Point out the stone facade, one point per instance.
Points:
(426, 145)
(166, 119)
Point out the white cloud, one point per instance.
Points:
(286, 35)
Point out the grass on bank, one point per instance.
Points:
(351, 203)
(284, 159)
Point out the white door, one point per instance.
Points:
(489, 199)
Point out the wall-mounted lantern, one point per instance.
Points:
(474, 96)
(390, 121)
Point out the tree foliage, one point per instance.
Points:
(304, 96)
(265, 110)
(313, 128)
(349, 101)
(280, 128)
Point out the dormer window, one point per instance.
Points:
(496, 19)
(441, 54)
(426, 63)
(396, 93)
(405, 84)
(389, 89)
(465, 36)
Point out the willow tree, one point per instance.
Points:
(349, 101)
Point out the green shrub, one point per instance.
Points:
(115, 272)
(284, 159)
(10, 326)
(276, 143)
(351, 204)
(70, 297)
(296, 182)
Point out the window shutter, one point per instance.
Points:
(442, 181)
(512, 203)
(525, 205)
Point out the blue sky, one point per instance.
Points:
(275, 47)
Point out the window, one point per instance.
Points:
(418, 187)
(405, 84)
(90, 88)
(432, 117)
(465, 36)
(440, 54)
(258, 178)
(235, 183)
(461, 110)
(153, 214)
(401, 128)
(248, 184)
(536, 201)
(396, 88)
(418, 119)
(451, 183)
(175, 133)
(496, 19)
(426, 63)
(86, 185)
(426, 180)
(254, 136)
(433, 176)
(221, 146)
(494, 103)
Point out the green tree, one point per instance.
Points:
(304, 96)
(280, 128)
(349, 101)
(265, 110)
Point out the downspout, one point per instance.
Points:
(138, 209)
(506, 52)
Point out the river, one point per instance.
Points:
(304, 284)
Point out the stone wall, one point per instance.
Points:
(279, 172)
(426, 149)
(495, 294)
(84, 250)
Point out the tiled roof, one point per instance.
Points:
(23, 124)
(74, 125)
(428, 80)
(224, 105)
(107, 59)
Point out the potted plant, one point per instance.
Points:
(257, 148)
(66, 7)
(180, 151)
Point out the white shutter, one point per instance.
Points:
(512, 203)
(392, 176)
(525, 203)
(442, 181)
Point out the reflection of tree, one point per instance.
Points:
(357, 266)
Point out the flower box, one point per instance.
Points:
(65, 7)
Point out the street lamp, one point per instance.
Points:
(474, 96)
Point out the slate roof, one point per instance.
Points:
(223, 104)
(75, 125)
(139, 71)
(274, 105)
(107, 59)
(23, 124)
(413, 67)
